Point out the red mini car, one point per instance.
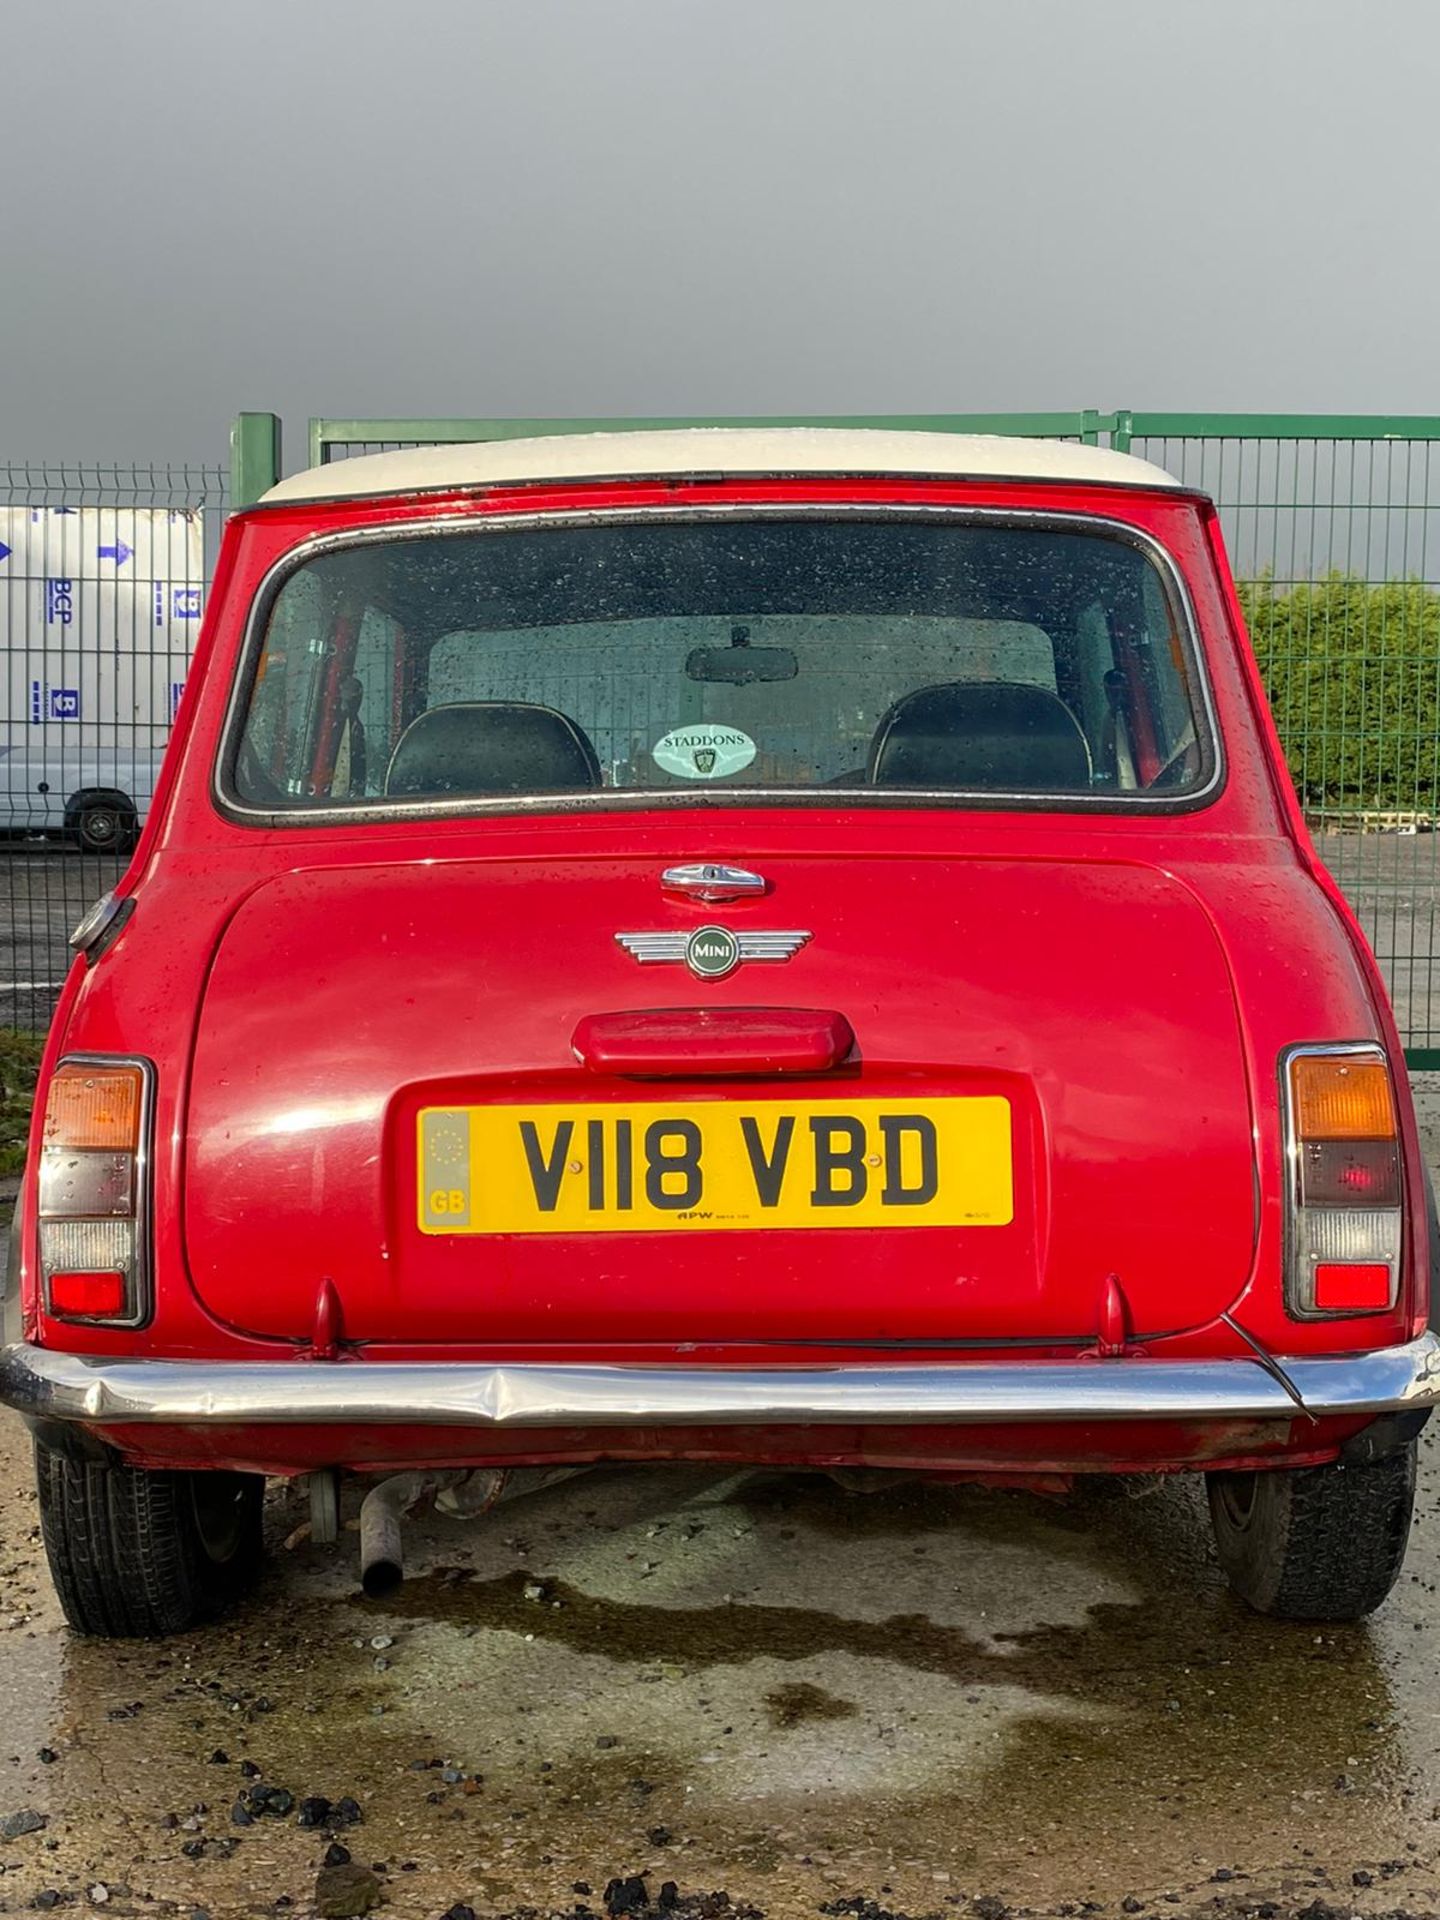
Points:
(790, 947)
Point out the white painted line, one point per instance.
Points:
(31, 986)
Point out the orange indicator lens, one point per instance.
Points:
(93, 1107)
(1340, 1097)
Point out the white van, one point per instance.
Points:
(99, 611)
(96, 797)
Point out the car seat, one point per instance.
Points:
(480, 747)
(988, 736)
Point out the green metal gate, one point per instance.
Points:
(1333, 525)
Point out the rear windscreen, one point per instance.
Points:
(987, 661)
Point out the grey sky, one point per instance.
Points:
(700, 206)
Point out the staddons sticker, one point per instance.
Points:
(704, 752)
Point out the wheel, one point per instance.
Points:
(135, 1553)
(103, 823)
(1315, 1543)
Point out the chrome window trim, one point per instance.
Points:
(1290, 1146)
(144, 1282)
(615, 800)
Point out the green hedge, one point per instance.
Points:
(1353, 674)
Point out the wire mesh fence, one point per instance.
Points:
(102, 586)
(1333, 526)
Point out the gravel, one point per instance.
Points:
(342, 1892)
(14, 1825)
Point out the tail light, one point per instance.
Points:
(94, 1199)
(1346, 1182)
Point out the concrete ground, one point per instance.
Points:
(45, 888)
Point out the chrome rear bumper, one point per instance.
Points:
(47, 1385)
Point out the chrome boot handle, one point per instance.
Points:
(705, 881)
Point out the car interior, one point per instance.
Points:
(977, 736)
(980, 660)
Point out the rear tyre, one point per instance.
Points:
(1315, 1543)
(135, 1554)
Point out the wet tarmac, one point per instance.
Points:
(757, 1683)
(939, 1700)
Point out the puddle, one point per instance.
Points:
(757, 1683)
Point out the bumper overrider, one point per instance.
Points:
(42, 1384)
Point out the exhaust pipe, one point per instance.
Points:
(382, 1563)
(459, 1493)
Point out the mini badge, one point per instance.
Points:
(703, 752)
(712, 952)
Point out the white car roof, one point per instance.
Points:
(727, 450)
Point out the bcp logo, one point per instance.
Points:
(59, 602)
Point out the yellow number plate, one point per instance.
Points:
(722, 1164)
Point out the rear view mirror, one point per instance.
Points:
(740, 664)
